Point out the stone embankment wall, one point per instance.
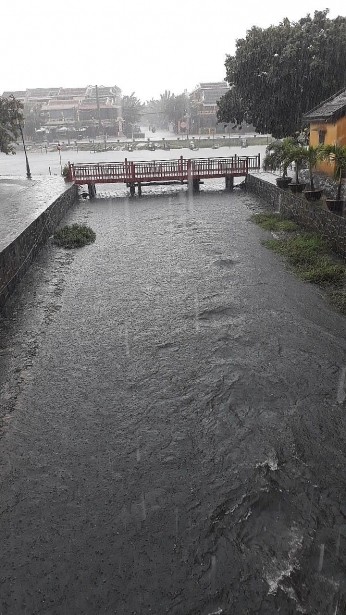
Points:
(16, 258)
(310, 215)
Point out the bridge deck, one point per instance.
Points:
(181, 169)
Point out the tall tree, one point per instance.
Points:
(152, 114)
(10, 116)
(169, 108)
(174, 107)
(231, 106)
(131, 109)
(281, 72)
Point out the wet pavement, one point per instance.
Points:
(173, 433)
(22, 201)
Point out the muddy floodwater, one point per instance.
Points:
(173, 431)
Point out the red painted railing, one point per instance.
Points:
(181, 169)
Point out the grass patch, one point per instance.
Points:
(74, 236)
(301, 250)
(274, 222)
(313, 261)
(338, 299)
(308, 254)
(325, 273)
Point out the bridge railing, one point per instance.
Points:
(162, 169)
(180, 169)
(99, 171)
(217, 166)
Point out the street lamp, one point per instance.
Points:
(28, 173)
(59, 150)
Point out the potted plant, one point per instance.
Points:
(312, 156)
(297, 155)
(277, 159)
(336, 154)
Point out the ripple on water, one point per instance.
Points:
(225, 263)
(258, 517)
(218, 313)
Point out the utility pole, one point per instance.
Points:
(98, 108)
(18, 118)
(59, 150)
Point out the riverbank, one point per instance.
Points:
(154, 142)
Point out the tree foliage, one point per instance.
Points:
(152, 114)
(174, 107)
(312, 156)
(131, 109)
(10, 117)
(169, 108)
(281, 72)
(297, 154)
(279, 155)
(231, 108)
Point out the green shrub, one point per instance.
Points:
(74, 236)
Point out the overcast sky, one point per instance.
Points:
(143, 46)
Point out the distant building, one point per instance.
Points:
(61, 111)
(19, 95)
(203, 107)
(328, 124)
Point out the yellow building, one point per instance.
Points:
(328, 125)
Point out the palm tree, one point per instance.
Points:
(336, 154)
(313, 155)
(297, 154)
(277, 156)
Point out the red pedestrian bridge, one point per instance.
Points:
(144, 173)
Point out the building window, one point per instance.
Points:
(321, 137)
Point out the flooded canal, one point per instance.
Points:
(174, 422)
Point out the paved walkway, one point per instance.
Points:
(22, 200)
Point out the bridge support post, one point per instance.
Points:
(139, 189)
(132, 189)
(195, 185)
(229, 183)
(92, 190)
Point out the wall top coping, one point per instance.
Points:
(24, 200)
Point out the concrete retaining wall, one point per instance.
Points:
(16, 258)
(311, 216)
